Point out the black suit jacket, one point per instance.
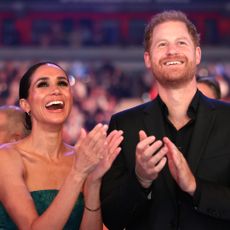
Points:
(125, 204)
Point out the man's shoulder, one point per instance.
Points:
(136, 109)
(217, 104)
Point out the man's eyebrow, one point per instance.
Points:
(186, 38)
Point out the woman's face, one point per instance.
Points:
(50, 97)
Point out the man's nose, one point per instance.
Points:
(172, 49)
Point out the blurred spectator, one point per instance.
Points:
(12, 124)
(209, 87)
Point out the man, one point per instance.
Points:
(209, 87)
(12, 124)
(174, 168)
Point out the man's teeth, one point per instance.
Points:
(173, 63)
(54, 103)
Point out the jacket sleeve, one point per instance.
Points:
(122, 196)
(212, 199)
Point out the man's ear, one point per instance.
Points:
(24, 105)
(198, 55)
(147, 60)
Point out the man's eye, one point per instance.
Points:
(42, 84)
(182, 43)
(162, 44)
(63, 83)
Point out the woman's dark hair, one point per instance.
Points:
(25, 83)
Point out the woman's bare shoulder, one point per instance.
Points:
(7, 148)
(10, 156)
(12, 175)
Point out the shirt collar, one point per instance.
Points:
(192, 109)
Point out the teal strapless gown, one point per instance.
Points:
(42, 200)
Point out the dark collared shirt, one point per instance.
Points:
(181, 138)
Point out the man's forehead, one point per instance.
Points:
(171, 27)
(171, 31)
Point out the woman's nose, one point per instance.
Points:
(55, 90)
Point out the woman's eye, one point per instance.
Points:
(42, 84)
(63, 83)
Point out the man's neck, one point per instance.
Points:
(177, 102)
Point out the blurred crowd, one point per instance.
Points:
(101, 89)
(96, 29)
(70, 32)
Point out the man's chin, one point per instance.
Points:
(174, 81)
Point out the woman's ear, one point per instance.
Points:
(24, 105)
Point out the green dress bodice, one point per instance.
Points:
(42, 200)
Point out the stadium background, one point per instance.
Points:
(99, 43)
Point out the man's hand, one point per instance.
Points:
(150, 159)
(179, 168)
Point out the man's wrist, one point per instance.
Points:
(146, 183)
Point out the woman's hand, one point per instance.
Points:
(111, 150)
(90, 149)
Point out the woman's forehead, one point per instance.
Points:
(49, 70)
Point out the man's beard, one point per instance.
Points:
(174, 78)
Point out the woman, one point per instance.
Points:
(42, 177)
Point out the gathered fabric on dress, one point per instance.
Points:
(42, 199)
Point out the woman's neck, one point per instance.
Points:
(46, 143)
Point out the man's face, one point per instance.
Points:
(172, 56)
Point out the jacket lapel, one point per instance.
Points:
(203, 125)
(154, 125)
(153, 120)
